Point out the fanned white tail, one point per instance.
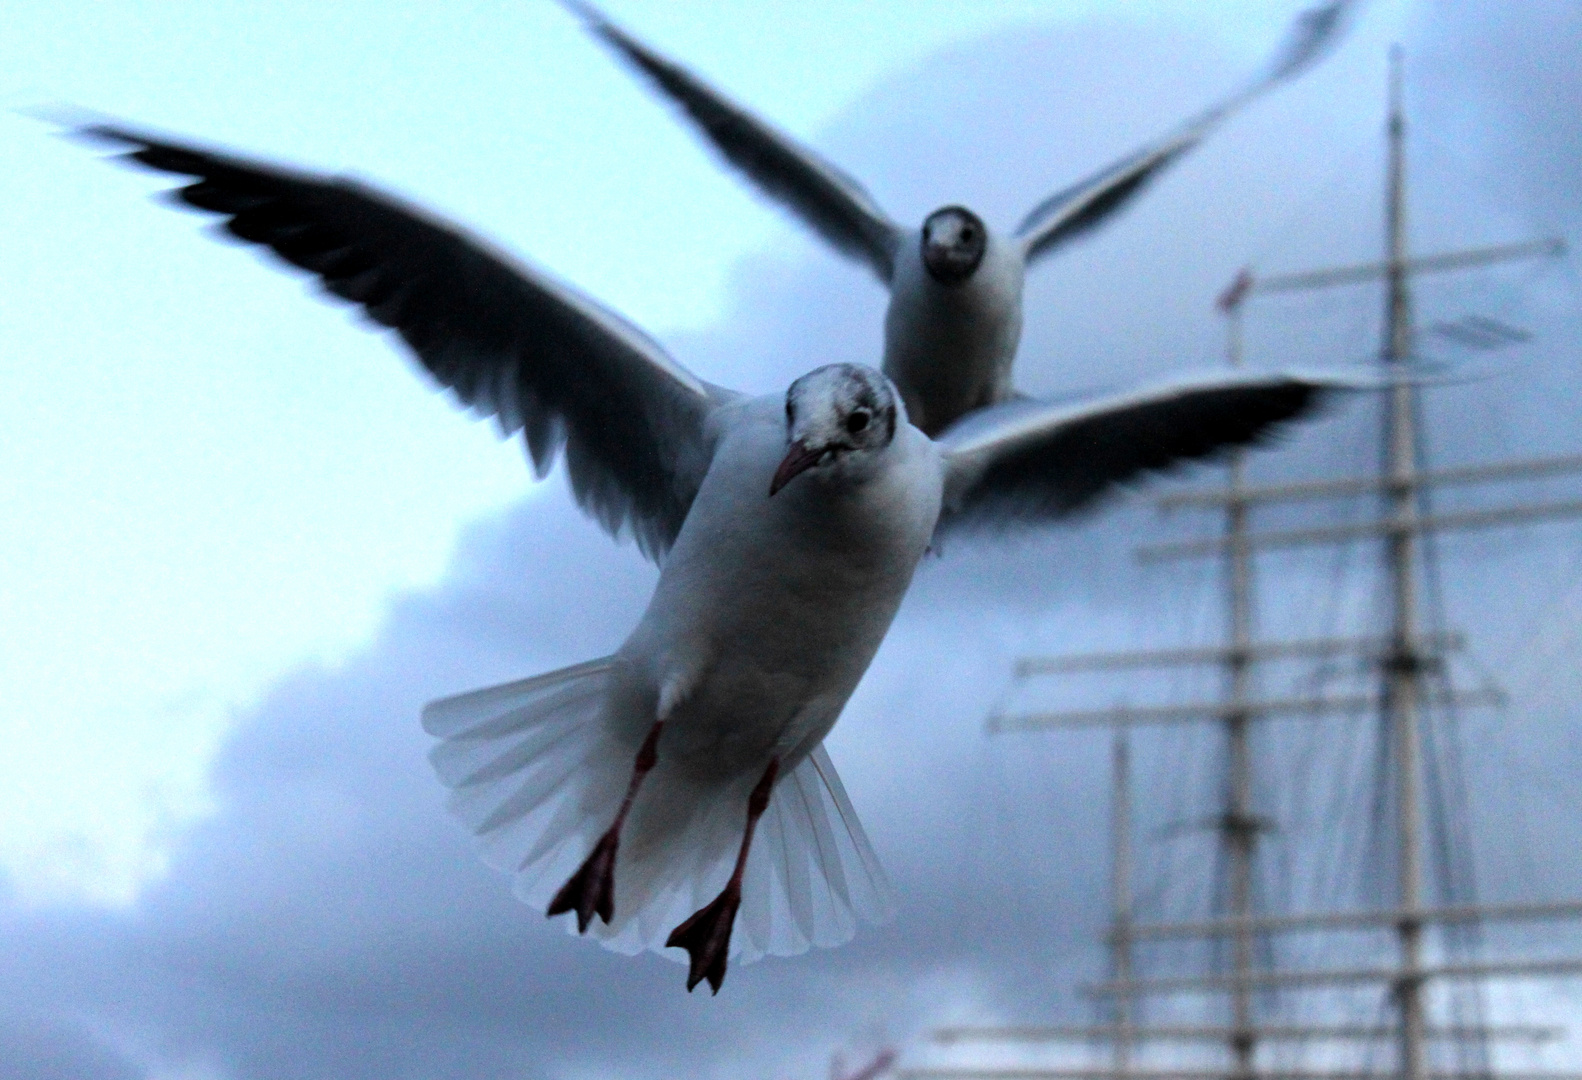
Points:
(538, 768)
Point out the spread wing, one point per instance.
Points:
(1026, 461)
(1090, 202)
(508, 341)
(831, 203)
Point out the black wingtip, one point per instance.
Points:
(610, 32)
(596, 22)
(124, 141)
(590, 15)
(1312, 34)
(61, 114)
(111, 134)
(83, 125)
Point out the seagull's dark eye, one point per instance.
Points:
(790, 413)
(857, 421)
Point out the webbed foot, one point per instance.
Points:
(707, 937)
(591, 890)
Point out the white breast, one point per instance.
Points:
(769, 610)
(949, 348)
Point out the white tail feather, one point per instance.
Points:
(538, 770)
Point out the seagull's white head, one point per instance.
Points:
(838, 419)
(954, 239)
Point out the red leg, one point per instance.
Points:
(591, 890)
(707, 934)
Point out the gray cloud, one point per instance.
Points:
(1508, 78)
(44, 1048)
(329, 920)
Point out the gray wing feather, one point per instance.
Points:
(1090, 202)
(508, 341)
(831, 203)
(1026, 462)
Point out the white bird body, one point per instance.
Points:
(787, 528)
(768, 611)
(950, 347)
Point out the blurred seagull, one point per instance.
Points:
(677, 793)
(955, 313)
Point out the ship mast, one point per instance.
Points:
(1121, 895)
(1239, 825)
(1403, 663)
(1402, 656)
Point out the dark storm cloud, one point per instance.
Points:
(329, 921)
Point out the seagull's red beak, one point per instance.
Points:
(800, 458)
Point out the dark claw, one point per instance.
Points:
(591, 890)
(707, 937)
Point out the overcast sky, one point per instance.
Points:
(247, 544)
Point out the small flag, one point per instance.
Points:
(1235, 292)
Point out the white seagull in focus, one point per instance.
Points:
(677, 794)
(955, 314)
